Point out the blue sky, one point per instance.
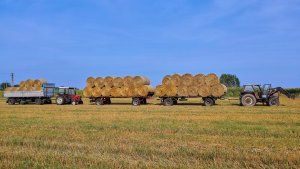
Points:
(65, 41)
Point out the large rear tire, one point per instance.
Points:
(248, 100)
(273, 101)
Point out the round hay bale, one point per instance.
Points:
(160, 91)
(37, 88)
(182, 91)
(186, 80)
(106, 91)
(193, 91)
(90, 81)
(115, 92)
(199, 80)
(167, 80)
(97, 92)
(141, 80)
(118, 82)
(131, 91)
(14, 89)
(142, 91)
(99, 82)
(171, 90)
(204, 91)
(211, 79)
(176, 79)
(108, 81)
(8, 89)
(225, 88)
(217, 90)
(22, 88)
(128, 81)
(29, 83)
(87, 92)
(22, 83)
(151, 89)
(124, 91)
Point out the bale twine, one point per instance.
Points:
(118, 82)
(217, 90)
(167, 80)
(128, 81)
(176, 79)
(204, 91)
(211, 79)
(108, 81)
(97, 92)
(142, 91)
(90, 81)
(186, 80)
(193, 91)
(99, 82)
(87, 92)
(182, 91)
(106, 91)
(159, 91)
(199, 80)
(141, 80)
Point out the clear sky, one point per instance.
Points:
(65, 41)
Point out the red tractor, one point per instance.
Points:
(67, 95)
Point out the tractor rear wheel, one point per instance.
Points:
(60, 100)
(248, 100)
(273, 101)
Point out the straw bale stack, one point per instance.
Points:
(137, 86)
(28, 85)
(188, 85)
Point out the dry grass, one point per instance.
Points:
(122, 136)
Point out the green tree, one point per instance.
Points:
(230, 80)
(4, 85)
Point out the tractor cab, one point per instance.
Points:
(260, 92)
(67, 95)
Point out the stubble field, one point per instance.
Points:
(150, 136)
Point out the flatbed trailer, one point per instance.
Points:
(38, 97)
(136, 101)
(172, 100)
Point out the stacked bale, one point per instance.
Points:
(188, 85)
(28, 85)
(128, 86)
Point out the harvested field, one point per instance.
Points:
(150, 136)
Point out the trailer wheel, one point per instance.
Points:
(38, 101)
(273, 101)
(23, 102)
(99, 102)
(168, 102)
(136, 101)
(60, 100)
(208, 101)
(248, 100)
(11, 101)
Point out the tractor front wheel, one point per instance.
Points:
(273, 101)
(248, 100)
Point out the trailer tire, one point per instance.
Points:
(248, 100)
(23, 102)
(209, 101)
(273, 101)
(11, 101)
(168, 102)
(99, 101)
(60, 100)
(38, 101)
(136, 101)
